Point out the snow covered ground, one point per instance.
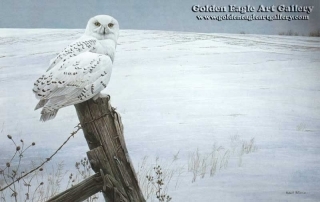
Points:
(182, 91)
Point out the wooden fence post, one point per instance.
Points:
(103, 130)
(108, 155)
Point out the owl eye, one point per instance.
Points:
(110, 25)
(97, 24)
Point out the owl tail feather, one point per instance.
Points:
(41, 103)
(48, 116)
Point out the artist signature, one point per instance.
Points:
(296, 192)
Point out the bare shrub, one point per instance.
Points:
(148, 173)
(157, 180)
(289, 33)
(199, 163)
(84, 171)
(246, 148)
(315, 33)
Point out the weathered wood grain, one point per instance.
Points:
(103, 131)
(81, 191)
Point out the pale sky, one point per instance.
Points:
(175, 15)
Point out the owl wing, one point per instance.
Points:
(83, 44)
(77, 79)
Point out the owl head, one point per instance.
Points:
(103, 27)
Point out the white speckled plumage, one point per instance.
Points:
(81, 70)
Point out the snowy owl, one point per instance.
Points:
(81, 70)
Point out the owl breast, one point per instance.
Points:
(105, 47)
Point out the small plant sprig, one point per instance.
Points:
(83, 172)
(11, 171)
(158, 183)
(84, 168)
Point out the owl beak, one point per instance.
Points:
(105, 30)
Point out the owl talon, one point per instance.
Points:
(99, 95)
(103, 95)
